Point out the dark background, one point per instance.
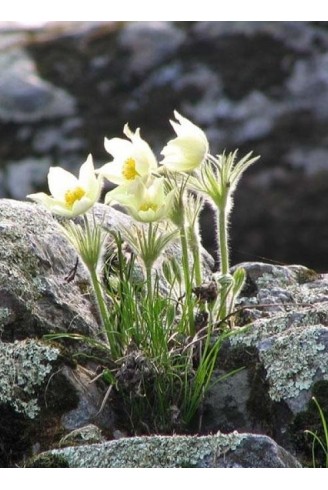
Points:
(260, 86)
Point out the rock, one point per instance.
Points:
(35, 298)
(43, 389)
(148, 44)
(24, 367)
(46, 388)
(219, 451)
(25, 175)
(284, 355)
(35, 258)
(65, 86)
(34, 391)
(24, 96)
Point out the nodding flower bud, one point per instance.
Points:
(188, 150)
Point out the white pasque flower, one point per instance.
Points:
(144, 203)
(131, 159)
(70, 196)
(188, 150)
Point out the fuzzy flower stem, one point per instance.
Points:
(223, 240)
(222, 216)
(187, 279)
(195, 249)
(102, 307)
(148, 266)
(96, 285)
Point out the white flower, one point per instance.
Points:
(144, 203)
(70, 196)
(131, 159)
(186, 152)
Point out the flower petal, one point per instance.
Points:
(60, 181)
(88, 180)
(188, 150)
(50, 203)
(142, 153)
(119, 148)
(81, 206)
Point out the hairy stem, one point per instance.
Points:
(223, 240)
(222, 217)
(102, 307)
(187, 280)
(195, 249)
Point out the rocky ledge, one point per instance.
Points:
(50, 408)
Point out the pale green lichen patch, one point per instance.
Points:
(281, 277)
(312, 293)
(267, 327)
(293, 349)
(292, 360)
(24, 367)
(152, 452)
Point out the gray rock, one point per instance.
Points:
(34, 260)
(25, 175)
(283, 352)
(90, 399)
(104, 74)
(24, 96)
(24, 367)
(39, 380)
(219, 451)
(148, 44)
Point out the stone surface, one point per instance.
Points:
(259, 86)
(24, 96)
(48, 387)
(283, 352)
(24, 367)
(280, 339)
(219, 451)
(34, 260)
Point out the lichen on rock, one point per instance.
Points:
(233, 450)
(24, 367)
(293, 349)
(147, 452)
(292, 361)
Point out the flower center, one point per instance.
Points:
(129, 169)
(74, 195)
(146, 206)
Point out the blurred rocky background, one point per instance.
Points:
(260, 86)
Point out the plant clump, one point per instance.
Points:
(158, 350)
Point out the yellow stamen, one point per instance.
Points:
(146, 206)
(129, 169)
(74, 195)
